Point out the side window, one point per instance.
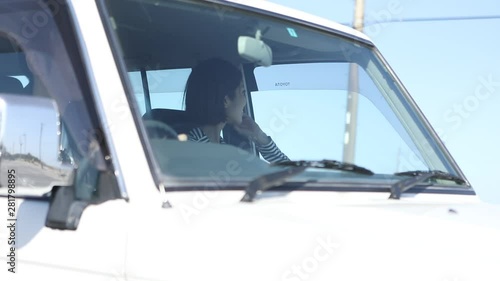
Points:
(15, 77)
(282, 107)
(166, 88)
(42, 63)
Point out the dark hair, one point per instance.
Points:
(207, 85)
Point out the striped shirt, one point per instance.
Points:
(270, 151)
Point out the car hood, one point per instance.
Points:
(324, 236)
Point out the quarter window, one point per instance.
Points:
(166, 88)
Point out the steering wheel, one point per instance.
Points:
(159, 130)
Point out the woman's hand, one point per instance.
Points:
(250, 129)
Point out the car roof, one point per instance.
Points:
(297, 15)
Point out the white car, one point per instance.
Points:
(108, 173)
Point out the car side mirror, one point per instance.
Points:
(31, 151)
(30, 136)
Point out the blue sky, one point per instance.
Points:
(451, 68)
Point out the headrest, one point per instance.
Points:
(177, 119)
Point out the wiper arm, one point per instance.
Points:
(274, 179)
(270, 180)
(327, 164)
(418, 177)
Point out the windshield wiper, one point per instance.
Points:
(327, 164)
(274, 179)
(270, 180)
(418, 177)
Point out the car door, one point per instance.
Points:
(40, 60)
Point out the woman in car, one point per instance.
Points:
(215, 96)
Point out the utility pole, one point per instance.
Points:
(20, 145)
(40, 146)
(351, 116)
(25, 144)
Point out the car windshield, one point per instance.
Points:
(300, 92)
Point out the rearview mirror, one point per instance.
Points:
(30, 136)
(255, 50)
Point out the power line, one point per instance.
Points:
(435, 19)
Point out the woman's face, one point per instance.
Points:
(234, 107)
